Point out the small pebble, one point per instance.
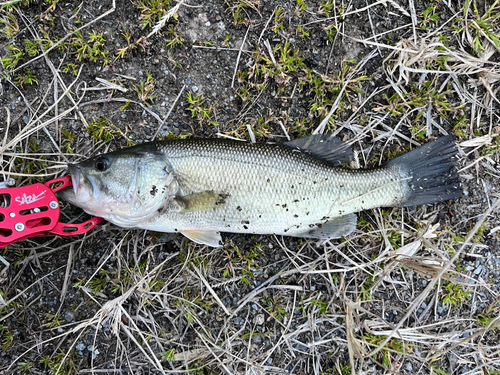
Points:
(194, 88)
(478, 270)
(259, 319)
(26, 119)
(80, 346)
(69, 317)
(207, 23)
(189, 81)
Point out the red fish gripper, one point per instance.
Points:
(33, 210)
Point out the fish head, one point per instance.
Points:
(126, 187)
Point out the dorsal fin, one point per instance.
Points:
(327, 148)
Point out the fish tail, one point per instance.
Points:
(432, 172)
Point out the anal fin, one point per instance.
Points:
(204, 237)
(336, 228)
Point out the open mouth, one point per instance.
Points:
(74, 170)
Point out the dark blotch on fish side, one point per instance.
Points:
(153, 191)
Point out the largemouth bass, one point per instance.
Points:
(202, 187)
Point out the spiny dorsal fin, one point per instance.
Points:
(326, 148)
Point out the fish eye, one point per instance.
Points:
(102, 164)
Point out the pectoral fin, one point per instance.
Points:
(203, 201)
(204, 237)
(336, 228)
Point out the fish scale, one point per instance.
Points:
(259, 180)
(201, 187)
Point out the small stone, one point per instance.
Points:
(478, 270)
(194, 88)
(207, 23)
(189, 81)
(166, 72)
(80, 346)
(238, 320)
(409, 366)
(69, 317)
(441, 308)
(259, 319)
(26, 119)
(124, 115)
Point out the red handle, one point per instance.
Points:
(33, 210)
(65, 229)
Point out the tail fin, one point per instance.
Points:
(432, 168)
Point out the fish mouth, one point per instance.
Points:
(75, 172)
